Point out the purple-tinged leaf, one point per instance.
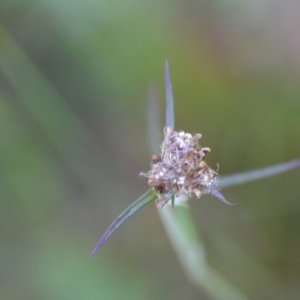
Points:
(218, 195)
(240, 178)
(170, 119)
(145, 199)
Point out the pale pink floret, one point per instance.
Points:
(180, 168)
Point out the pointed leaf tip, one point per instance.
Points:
(218, 195)
(169, 98)
(146, 198)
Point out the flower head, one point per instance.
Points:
(181, 169)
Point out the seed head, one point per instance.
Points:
(180, 168)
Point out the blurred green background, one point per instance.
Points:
(74, 76)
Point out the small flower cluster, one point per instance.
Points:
(180, 169)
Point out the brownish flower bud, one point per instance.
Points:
(180, 169)
(156, 158)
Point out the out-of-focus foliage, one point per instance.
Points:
(73, 82)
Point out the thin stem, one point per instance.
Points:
(183, 235)
(183, 232)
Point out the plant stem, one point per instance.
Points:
(189, 248)
(180, 227)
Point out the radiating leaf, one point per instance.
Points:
(240, 178)
(170, 119)
(219, 195)
(145, 199)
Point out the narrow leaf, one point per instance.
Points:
(240, 178)
(169, 98)
(146, 198)
(219, 195)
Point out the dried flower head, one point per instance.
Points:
(181, 169)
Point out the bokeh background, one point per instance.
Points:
(74, 77)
